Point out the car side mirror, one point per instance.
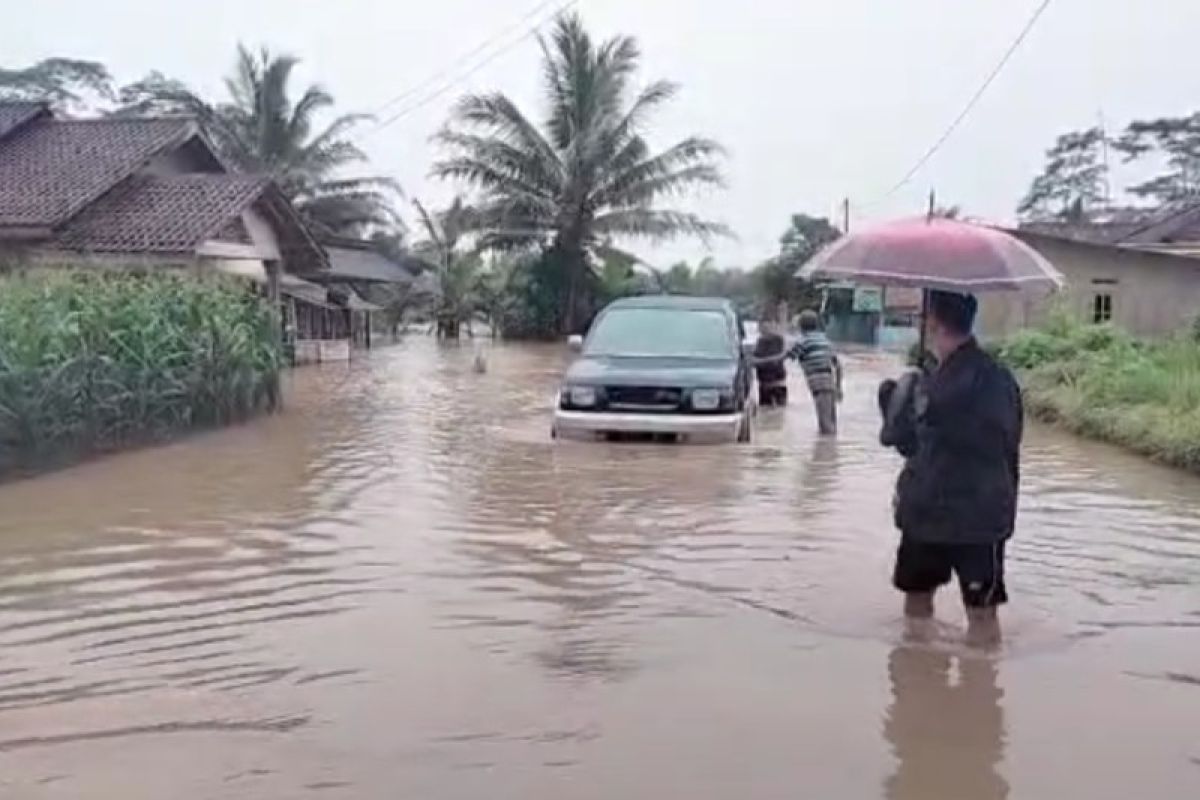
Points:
(575, 342)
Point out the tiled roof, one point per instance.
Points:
(15, 114)
(364, 264)
(50, 169)
(1091, 233)
(1178, 221)
(161, 214)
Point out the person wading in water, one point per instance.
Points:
(769, 353)
(959, 429)
(822, 370)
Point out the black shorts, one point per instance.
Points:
(776, 395)
(924, 566)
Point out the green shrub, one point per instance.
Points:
(1098, 381)
(95, 361)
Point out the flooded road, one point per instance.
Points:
(401, 588)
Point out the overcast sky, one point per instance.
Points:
(815, 99)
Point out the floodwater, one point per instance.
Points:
(400, 588)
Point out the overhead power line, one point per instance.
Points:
(962, 115)
(454, 79)
(481, 47)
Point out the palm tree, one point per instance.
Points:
(456, 269)
(261, 129)
(588, 174)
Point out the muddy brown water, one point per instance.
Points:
(401, 588)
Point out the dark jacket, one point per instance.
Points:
(770, 346)
(961, 438)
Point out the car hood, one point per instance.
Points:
(660, 372)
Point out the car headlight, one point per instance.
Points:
(706, 399)
(581, 396)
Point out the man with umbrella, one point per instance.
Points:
(956, 497)
(959, 424)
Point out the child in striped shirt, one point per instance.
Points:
(822, 370)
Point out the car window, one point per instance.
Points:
(661, 332)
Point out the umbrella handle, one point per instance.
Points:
(921, 344)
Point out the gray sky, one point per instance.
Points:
(815, 100)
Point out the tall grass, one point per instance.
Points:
(96, 361)
(1100, 382)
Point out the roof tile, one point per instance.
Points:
(15, 114)
(161, 214)
(51, 169)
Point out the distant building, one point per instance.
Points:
(1138, 271)
(863, 314)
(153, 193)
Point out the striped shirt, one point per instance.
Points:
(818, 360)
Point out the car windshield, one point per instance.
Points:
(661, 333)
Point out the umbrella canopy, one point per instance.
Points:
(935, 253)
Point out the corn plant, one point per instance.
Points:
(94, 361)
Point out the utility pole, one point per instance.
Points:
(1104, 157)
(932, 203)
(846, 215)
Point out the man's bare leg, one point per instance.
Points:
(918, 605)
(983, 627)
(919, 626)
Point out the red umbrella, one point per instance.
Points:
(935, 253)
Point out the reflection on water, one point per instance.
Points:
(402, 587)
(945, 725)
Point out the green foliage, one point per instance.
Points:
(263, 127)
(64, 83)
(1099, 381)
(1061, 340)
(780, 291)
(532, 306)
(569, 187)
(458, 268)
(805, 236)
(1073, 180)
(91, 362)
(1172, 141)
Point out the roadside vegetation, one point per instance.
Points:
(1098, 381)
(95, 362)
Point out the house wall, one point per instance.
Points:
(262, 234)
(1152, 294)
(264, 243)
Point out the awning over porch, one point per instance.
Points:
(289, 285)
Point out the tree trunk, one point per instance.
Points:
(574, 263)
(571, 300)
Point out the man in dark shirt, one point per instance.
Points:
(956, 498)
(771, 372)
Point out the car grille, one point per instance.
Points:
(644, 398)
